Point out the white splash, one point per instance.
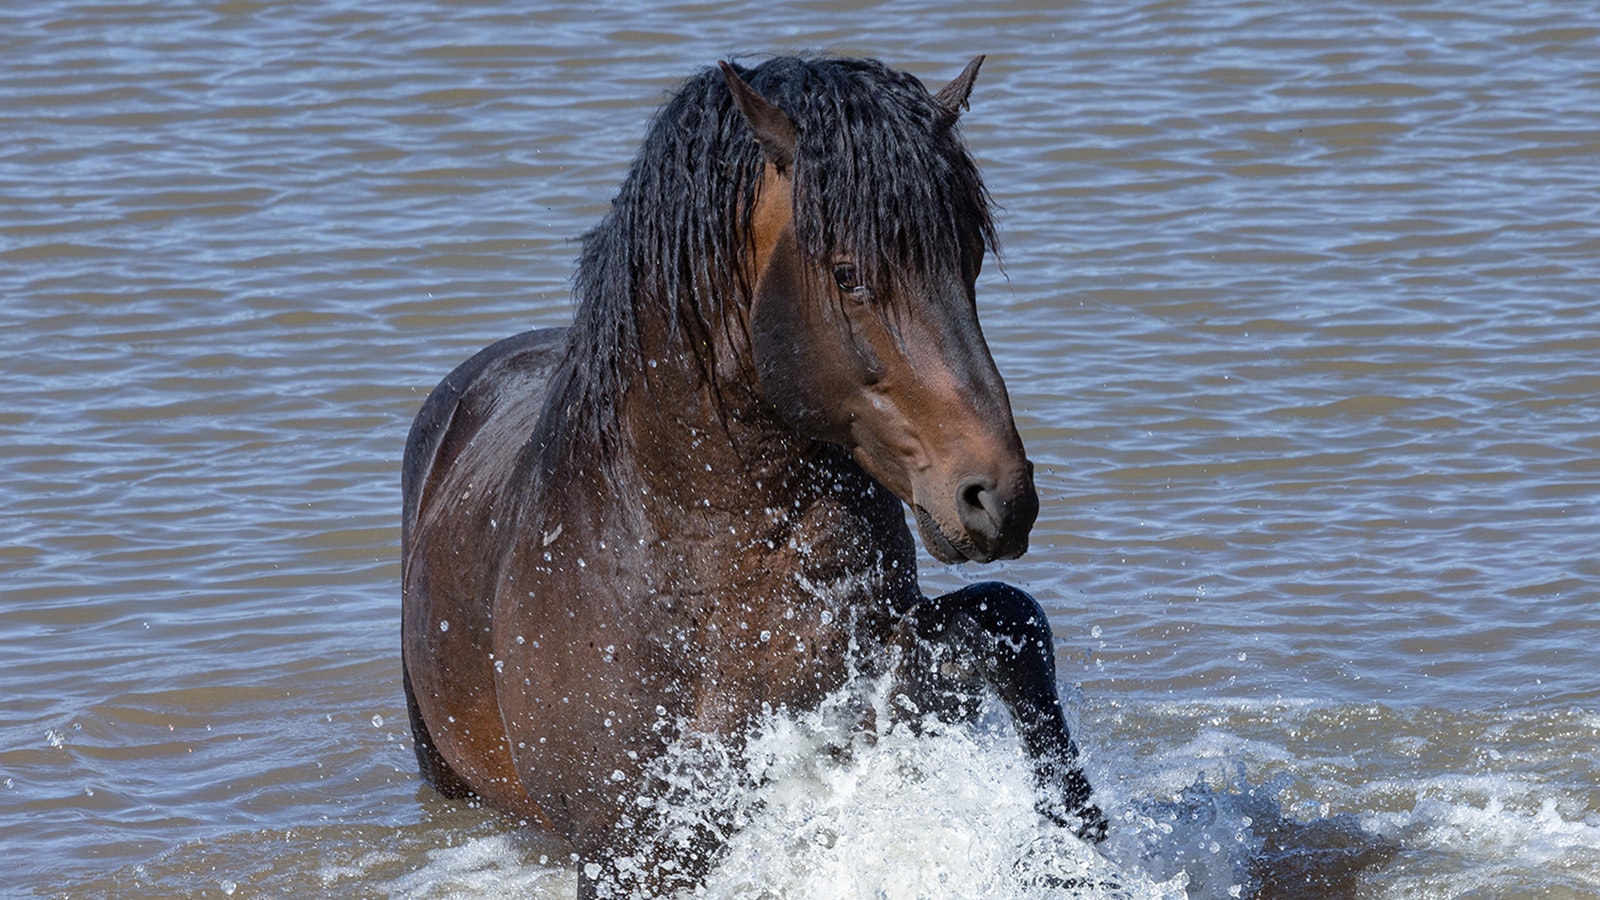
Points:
(817, 807)
(905, 816)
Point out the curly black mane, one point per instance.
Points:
(880, 175)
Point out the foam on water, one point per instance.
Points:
(1490, 844)
(950, 816)
(494, 865)
(823, 811)
(818, 808)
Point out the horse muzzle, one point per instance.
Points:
(991, 520)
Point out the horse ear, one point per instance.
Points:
(953, 96)
(771, 126)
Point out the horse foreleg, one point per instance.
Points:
(435, 770)
(996, 636)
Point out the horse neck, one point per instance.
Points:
(702, 432)
(722, 485)
(699, 468)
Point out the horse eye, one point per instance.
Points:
(847, 278)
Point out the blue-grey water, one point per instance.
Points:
(1299, 308)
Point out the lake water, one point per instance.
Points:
(1300, 311)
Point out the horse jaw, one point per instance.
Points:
(933, 538)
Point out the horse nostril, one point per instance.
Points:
(996, 520)
(981, 509)
(972, 494)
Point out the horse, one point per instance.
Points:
(686, 508)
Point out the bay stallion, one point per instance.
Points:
(684, 511)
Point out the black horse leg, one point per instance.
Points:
(994, 635)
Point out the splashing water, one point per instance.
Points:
(816, 807)
(946, 814)
(823, 809)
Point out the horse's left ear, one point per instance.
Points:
(953, 96)
(772, 127)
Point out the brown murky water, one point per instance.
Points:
(1300, 311)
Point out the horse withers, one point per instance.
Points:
(686, 508)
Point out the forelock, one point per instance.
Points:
(881, 173)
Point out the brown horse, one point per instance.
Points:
(686, 508)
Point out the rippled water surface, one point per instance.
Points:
(1300, 311)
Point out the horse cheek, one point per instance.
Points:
(791, 370)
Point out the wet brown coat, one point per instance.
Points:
(573, 603)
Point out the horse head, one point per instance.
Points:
(884, 356)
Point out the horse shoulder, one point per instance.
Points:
(461, 454)
(499, 390)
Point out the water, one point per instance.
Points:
(1299, 313)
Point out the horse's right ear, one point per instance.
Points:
(771, 126)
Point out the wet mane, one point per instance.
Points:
(881, 176)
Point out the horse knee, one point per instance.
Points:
(1004, 611)
(985, 635)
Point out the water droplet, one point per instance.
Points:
(827, 617)
(377, 721)
(766, 636)
(444, 624)
(229, 887)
